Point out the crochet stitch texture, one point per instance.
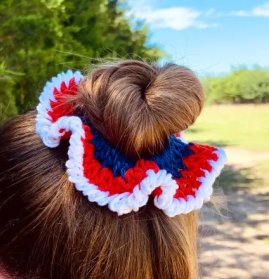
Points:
(180, 179)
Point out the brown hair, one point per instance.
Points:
(138, 106)
(49, 230)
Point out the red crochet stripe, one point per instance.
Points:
(195, 164)
(61, 107)
(103, 177)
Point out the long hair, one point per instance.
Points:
(49, 230)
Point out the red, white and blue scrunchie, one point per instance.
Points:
(180, 179)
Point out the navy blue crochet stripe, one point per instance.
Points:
(172, 157)
(170, 160)
(109, 156)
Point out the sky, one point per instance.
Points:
(209, 36)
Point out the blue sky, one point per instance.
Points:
(209, 36)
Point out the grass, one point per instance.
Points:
(240, 126)
(264, 165)
(243, 126)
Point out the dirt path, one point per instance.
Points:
(236, 245)
(245, 158)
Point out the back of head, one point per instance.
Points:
(50, 230)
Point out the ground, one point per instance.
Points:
(234, 241)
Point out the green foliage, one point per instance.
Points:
(7, 100)
(241, 86)
(40, 38)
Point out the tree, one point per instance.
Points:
(7, 101)
(240, 86)
(40, 38)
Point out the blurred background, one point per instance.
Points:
(226, 43)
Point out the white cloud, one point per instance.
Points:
(259, 11)
(178, 18)
(239, 13)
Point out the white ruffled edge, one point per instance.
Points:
(43, 119)
(203, 194)
(125, 202)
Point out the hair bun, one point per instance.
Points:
(137, 106)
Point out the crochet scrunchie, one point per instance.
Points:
(180, 179)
